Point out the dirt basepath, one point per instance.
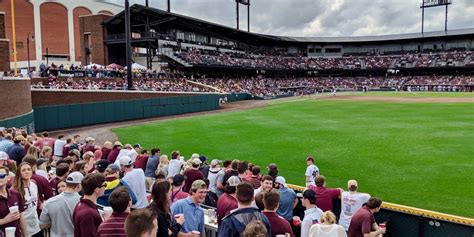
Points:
(403, 99)
(104, 132)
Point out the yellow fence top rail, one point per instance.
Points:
(414, 211)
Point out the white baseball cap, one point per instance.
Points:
(281, 180)
(3, 155)
(74, 178)
(126, 161)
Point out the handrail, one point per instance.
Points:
(413, 211)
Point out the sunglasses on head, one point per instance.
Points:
(104, 185)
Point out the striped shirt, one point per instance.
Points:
(114, 225)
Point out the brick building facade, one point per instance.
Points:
(4, 46)
(52, 27)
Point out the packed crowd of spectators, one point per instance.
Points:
(74, 187)
(198, 56)
(262, 87)
(175, 85)
(441, 80)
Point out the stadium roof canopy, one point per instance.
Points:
(158, 18)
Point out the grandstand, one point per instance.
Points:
(183, 65)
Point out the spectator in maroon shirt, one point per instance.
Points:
(67, 147)
(279, 225)
(255, 177)
(141, 223)
(62, 171)
(106, 148)
(192, 174)
(177, 192)
(89, 146)
(141, 160)
(363, 221)
(228, 200)
(243, 169)
(325, 195)
(121, 203)
(114, 152)
(86, 217)
(9, 198)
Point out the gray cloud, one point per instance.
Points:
(326, 17)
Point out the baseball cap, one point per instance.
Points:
(113, 168)
(197, 184)
(137, 146)
(126, 161)
(3, 155)
(102, 165)
(89, 139)
(75, 152)
(202, 158)
(117, 143)
(40, 161)
(196, 161)
(215, 162)
(281, 180)
(233, 181)
(351, 183)
(19, 138)
(74, 178)
(194, 155)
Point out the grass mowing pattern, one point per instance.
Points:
(416, 154)
(414, 94)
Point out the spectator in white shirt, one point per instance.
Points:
(135, 178)
(312, 214)
(58, 147)
(351, 201)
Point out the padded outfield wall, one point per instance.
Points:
(59, 109)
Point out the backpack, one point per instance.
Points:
(211, 199)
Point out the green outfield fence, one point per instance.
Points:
(75, 115)
(405, 221)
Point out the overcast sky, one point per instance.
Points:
(325, 17)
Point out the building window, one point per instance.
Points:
(19, 45)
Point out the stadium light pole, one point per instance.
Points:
(237, 10)
(128, 45)
(248, 16)
(169, 6)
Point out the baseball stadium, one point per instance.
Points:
(357, 135)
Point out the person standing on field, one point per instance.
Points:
(312, 171)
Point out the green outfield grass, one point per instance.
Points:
(415, 154)
(415, 94)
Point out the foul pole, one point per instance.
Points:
(14, 37)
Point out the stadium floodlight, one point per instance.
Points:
(434, 3)
(245, 3)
